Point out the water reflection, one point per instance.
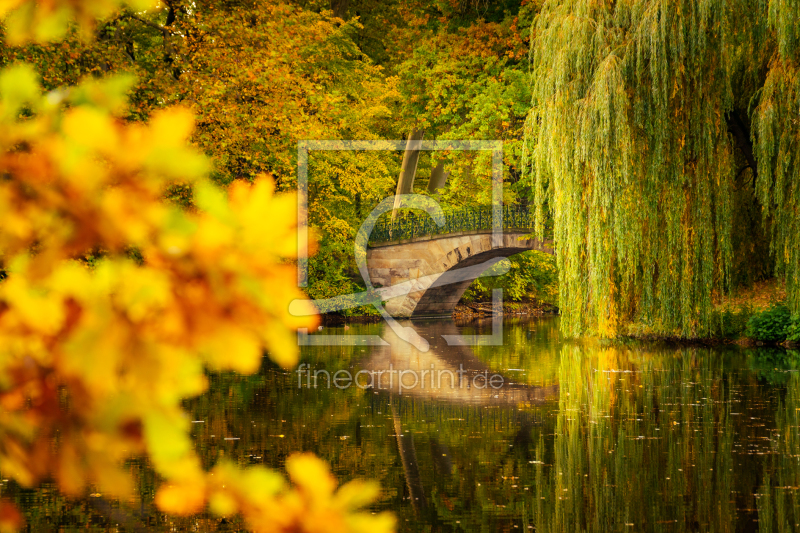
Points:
(445, 373)
(583, 436)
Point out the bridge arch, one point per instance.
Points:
(431, 265)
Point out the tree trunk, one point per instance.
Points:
(405, 182)
(339, 8)
(741, 133)
(438, 178)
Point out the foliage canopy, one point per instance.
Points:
(640, 145)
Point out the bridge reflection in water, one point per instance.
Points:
(451, 374)
(444, 373)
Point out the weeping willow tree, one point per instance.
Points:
(776, 123)
(650, 121)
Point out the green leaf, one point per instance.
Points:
(19, 85)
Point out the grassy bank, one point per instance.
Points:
(483, 309)
(755, 315)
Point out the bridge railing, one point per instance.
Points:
(409, 225)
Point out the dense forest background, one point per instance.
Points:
(658, 140)
(262, 75)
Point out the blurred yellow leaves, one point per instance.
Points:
(269, 504)
(183, 498)
(18, 86)
(10, 517)
(311, 504)
(28, 20)
(96, 356)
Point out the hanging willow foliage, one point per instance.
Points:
(638, 142)
(776, 124)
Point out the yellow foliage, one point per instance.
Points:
(10, 517)
(312, 505)
(184, 498)
(28, 20)
(121, 340)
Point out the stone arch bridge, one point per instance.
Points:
(440, 263)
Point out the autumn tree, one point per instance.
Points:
(98, 355)
(462, 73)
(653, 126)
(259, 76)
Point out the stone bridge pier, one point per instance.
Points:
(432, 263)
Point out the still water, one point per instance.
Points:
(578, 436)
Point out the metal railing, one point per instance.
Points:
(409, 225)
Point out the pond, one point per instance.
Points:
(521, 432)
